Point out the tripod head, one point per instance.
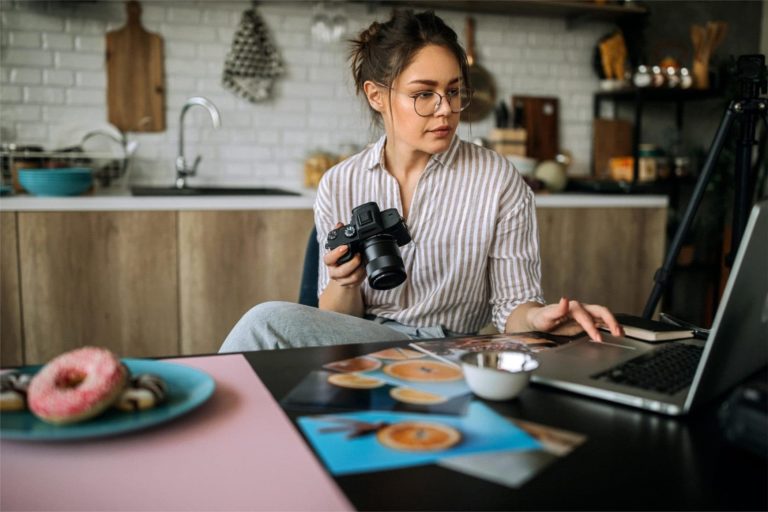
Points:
(751, 75)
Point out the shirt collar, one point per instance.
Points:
(445, 159)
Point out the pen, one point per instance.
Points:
(699, 332)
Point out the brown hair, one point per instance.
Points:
(383, 50)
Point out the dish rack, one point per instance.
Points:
(107, 167)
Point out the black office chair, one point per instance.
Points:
(308, 288)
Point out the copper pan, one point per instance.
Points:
(480, 81)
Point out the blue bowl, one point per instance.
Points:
(56, 182)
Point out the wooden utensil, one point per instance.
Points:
(484, 95)
(705, 40)
(135, 81)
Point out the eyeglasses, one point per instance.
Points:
(427, 103)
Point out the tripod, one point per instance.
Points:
(750, 74)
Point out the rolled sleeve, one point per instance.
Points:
(515, 263)
(324, 222)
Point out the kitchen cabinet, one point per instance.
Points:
(606, 256)
(229, 261)
(174, 281)
(11, 348)
(98, 278)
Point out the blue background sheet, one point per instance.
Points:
(482, 430)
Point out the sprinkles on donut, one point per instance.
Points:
(76, 385)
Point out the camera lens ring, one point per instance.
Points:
(383, 263)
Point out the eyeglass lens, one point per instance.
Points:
(426, 104)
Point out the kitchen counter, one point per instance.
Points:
(151, 276)
(124, 202)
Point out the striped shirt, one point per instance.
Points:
(475, 250)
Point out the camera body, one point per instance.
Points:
(751, 75)
(376, 235)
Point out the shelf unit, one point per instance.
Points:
(641, 96)
(571, 10)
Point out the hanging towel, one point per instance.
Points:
(252, 63)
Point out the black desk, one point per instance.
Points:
(631, 460)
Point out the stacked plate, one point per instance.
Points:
(56, 182)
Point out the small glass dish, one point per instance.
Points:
(498, 374)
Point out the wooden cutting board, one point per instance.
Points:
(612, 138)
(541, 121)
(135, 78)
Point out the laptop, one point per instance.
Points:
(676, 376)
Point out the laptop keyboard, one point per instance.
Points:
(667, 369)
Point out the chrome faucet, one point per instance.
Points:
(182, 171)
(105, 174)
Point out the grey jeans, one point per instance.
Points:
(272, 325)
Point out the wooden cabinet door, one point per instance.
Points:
(229, 261)
(99, 278)
(605, 256)
(11, 352)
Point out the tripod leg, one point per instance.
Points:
(662, 275)
(743, 175)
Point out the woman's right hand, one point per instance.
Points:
(347, 275)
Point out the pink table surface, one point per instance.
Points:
(238, 451)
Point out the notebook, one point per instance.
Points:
(676, 376)
(651, 330)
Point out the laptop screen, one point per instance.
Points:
(738, 341)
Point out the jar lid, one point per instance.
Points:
(649, 150)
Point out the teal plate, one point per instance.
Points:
(188, 388)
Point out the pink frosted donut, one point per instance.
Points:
(76, 385)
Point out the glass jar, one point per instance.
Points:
(642, 77)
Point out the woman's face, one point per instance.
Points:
(433, 69)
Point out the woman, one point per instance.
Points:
(474, 254)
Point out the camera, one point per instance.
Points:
(377, 235)
(751, 75)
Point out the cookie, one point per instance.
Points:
(144, 391)
(13, 391)
(418, 436)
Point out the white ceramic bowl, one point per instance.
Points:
(498, 375)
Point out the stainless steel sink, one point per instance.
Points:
(211, 191)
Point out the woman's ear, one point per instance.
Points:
(376, 98)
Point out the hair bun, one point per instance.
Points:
(370, 33)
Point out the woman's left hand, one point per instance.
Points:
(570, 317)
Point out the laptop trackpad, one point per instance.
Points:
(596, 349)
(591, 357)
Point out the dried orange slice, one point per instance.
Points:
(354, 381)
(418, 436)
(423, 371)
(416, 396)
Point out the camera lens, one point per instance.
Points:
(383, 262)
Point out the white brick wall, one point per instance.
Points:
(53, 78)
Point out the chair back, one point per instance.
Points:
(308, 288)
